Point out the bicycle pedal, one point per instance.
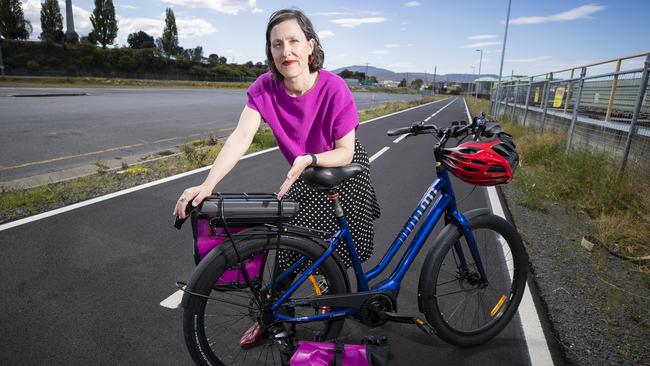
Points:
(424, 326)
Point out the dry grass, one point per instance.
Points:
(586, 180)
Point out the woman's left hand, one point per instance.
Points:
(299, 165)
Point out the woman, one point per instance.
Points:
(314, 119)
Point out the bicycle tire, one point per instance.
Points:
(199, 334)
(445, 288)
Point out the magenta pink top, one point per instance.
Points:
(308, 124)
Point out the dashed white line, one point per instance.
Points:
(538, 350)
(439, 110)
(378, 153)
(173, 301)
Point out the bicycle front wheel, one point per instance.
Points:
(463, 310)
(216, 317)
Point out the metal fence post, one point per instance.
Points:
(514, 102)
(530, 88)
(546, 95)
(576, 105)
(637, 110)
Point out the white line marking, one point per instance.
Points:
(378, 153)
(400, 138)
(439, 110)
(535, 341)
(405, 110)
(75, 206)
(173, 301)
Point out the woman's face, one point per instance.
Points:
(291, 49)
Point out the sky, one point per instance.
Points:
(401, 36)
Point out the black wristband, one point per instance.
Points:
(313, 160)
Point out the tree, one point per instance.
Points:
(417, 83)
(51, 22)
(90, 38)
(169, 38)
(213, 59)
(104, 22)
(12, 20)
(140, 40)
(249, 64)
(223, 60)
(197, 54)
(402, 84)
(346, 74)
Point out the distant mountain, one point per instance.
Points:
(383, 74)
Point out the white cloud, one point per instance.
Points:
(354, 22)
(529, 60)
(396, 45)
(127, 6)
(379, 52)
(257, 10)
(481, 44)
(580, 12)
(232, 7)
(402, 29)
(412, 4)
(482, 36)
(187, 27)
(324, 34)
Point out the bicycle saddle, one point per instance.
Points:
(328, 178)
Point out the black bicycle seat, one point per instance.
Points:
(328, 178)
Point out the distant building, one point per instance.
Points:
(389, 83)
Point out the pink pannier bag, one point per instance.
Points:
(207, 239)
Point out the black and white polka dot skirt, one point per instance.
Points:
(357, 196)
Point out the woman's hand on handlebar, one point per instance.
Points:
(193, 196)
(299, 165)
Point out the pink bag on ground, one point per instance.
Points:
(324, 354)
(207, 238)
(372, 352)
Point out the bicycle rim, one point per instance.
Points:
(466, 306)
(220, 321)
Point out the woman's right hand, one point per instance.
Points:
(193, 195)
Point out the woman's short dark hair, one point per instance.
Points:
(318, 56)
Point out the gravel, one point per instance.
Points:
(597, 303)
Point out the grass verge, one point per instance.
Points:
(15, 204)
(586, 180)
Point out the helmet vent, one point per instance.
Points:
(496, 169)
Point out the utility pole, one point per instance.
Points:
(366, 76)
(480, 60)
(503, 52)
(435, 69)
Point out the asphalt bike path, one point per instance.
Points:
(85, 286)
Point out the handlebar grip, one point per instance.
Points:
(398, 131)
(178, 222)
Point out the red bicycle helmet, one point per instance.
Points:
(483, 163)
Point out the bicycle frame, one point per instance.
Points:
(445, 204)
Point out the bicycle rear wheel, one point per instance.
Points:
(464, 311)
(214, 322)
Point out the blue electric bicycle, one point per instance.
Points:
(470, 285)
